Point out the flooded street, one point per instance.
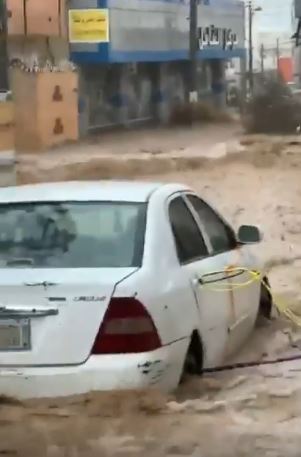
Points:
(247, 412)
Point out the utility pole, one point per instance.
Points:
(250, 17)
(277, 54)
(262, 57)
(251, 11)
(193, 47)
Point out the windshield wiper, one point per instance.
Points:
(20, 261)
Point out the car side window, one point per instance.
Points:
(189, 241)
(221, 236)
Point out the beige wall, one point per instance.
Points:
(27, 49)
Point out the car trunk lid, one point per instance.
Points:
(52, 316)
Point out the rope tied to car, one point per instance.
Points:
(214, 281)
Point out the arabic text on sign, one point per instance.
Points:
(88, 26)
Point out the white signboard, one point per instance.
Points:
(221, 37)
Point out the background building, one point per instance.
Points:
(3, 51)
(132, 55)
(297, 41)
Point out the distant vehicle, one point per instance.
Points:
(102, 287)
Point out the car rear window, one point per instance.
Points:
(72, 235)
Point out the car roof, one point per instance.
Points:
(125, 191)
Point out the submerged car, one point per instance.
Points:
(102, 287)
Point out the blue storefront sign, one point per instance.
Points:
(158, 31)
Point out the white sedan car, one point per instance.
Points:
(102, 287)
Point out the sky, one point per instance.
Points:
(275, 14)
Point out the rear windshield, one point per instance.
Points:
(72, 235)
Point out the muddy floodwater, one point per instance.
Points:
(250, 412)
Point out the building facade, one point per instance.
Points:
(297, 41)
(133, 55)
(3, 50)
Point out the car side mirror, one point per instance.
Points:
(249, 234)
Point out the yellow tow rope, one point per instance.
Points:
(210, 281)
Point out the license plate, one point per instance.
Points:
(14, 335)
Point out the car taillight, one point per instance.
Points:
(127, 328)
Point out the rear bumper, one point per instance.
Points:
(161, 368)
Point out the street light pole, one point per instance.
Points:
(193, 50)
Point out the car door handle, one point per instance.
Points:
(220, 275)
(202, 280)
(212, 277)
(13, 313)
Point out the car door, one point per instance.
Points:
(224, 246)
(214, 309)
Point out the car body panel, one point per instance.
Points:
(158, 369)
(79, 191)
(173, 294)
(80, 299)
